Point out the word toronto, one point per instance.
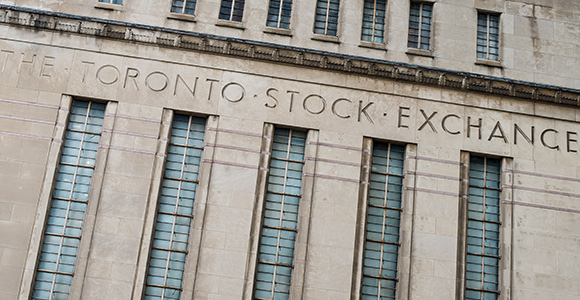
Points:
(206, 89)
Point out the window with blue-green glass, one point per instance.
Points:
(118, 2)
(280, 219)
(175, 209)
(326, 18)
(373, 27)
(483, 226)
(279, 13)
(232, 10)
(420, 25)
(488, 36)
(63, 231)
(384, 208)
(186, 7)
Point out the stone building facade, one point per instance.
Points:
(317, 149)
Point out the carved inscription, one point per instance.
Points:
(295, 101)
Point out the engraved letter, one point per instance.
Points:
(190, 89)
(557, 147)
(292, 93)
(47, 65)
(240, 95)
(162, 85)
(428, 120)
(518, 129)
(134, 75)
(211, 82)
(363, 110)
(86, 70)
(31, 62)
(569, 139)
(478, 126)
(334, 108)
(108, 80)
(494, 135)
(322, 101)
(401, 116)
(445, 127)
(5, 60)
(271, 97)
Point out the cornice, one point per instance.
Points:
(193, 41)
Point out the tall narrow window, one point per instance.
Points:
(279, 13)
(483, 224)
(384, 210)
(280, 223)
(66, 216)
(373, 28)
(232, 10)
(186, 7)
(175, 210)
(487, 36)
(326, 21)
(420, 26)
(118, 2)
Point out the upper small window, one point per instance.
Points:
(186, 7)
(373, 27)
(488, 36)
(232, 10)
(327, 17)
(420, 26)
(118, 2)
(279, 14)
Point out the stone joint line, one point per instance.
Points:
(570, 210)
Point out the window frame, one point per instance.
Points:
(232, 11)
(486, 60)
(109, 5)
(406, 219)
(418, 50)
(325, 36)
(300, 246)
(196, 227)
(183, 8)
(158, 202)
(372, 43)
(273, 29)
(49, 182)
(505, 230)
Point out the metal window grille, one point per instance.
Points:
(483, 224)
(373, 28)
(175, 209)
(279, 13)
(119, 2)
(420, 25)
(186, 7)
(66, 216)
(232, 10)
(326, 20)
(488, 36)
(383, 222)
(280, 223)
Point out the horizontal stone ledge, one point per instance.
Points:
(193, 41)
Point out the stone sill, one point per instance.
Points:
(278, 31)
(326, 38)
(372, 45)
(230, 24)
(419, 52)
(109, 6)
(181, 17)
(489, 63)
